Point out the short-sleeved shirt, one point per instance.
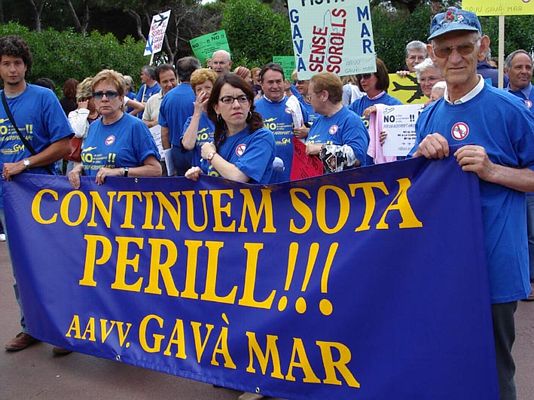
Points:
(204, 135)
(364, 102)
(252, 153)
(344, 127)
(500, 123)
(124, 143)
(39, 118)
(278, 119)
(176, 107)
(526, 94)
(148, 93)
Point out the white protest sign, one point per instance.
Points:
(157, 33)
(399, 124)
(332, 37)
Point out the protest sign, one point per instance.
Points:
(157, 33)
(399, 123)
(499, 7)
(406, 89)
(287, 63)
(204, 46)
(332, 37)
(337, 287)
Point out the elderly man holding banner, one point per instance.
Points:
(496, 132)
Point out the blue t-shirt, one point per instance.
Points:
(40, 118)
(344, 127)
(124, 143)
(176, 107)
(204, 135)
(312, 115)
(149, 92)
(500, 123)
(359, 105)
(252, 153)
(527, 95)
(277, 118)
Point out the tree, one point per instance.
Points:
(37, 8)
(80, 22)
(254, 39)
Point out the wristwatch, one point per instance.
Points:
(211, 155)
(26, 163)
(125, 172)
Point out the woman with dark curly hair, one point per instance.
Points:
(242, 150)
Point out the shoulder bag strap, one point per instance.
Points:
(25, 141)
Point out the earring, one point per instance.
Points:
(219, 118)
(249, 116)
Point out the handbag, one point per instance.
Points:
(75, 149)
(25, 141)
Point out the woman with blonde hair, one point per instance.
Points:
(117, 144)
(198, 129)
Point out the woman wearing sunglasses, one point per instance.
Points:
(118, 144)
(375, 86)
(242, 149)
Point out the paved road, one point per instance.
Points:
(35, 374)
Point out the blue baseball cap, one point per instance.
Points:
(454, 19)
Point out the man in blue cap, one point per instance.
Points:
(496, 132)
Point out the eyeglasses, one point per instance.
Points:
(230, 99)
(363, 76)
(110, 94)
(462, 49)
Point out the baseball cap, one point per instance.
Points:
(454, 19)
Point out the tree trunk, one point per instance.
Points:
(37, 11)
(138, 23)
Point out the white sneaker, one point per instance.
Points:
(2, 237)
(250, 396)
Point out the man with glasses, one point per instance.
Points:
(496, 133)
(41, 121)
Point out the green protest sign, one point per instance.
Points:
(287, 63)
(204, 46)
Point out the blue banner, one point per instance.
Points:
(366, 284)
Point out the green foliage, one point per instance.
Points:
(63, 55)
(518, 33)
(255, 32)
(393, 30)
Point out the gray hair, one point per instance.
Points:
(440, 85)
(423, 66)
(510, 58)
(223, 52)
(415, 45)
(185, 66)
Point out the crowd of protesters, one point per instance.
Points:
(241, 125)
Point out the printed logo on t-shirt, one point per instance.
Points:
(110, 140)
(240, 149)
(333, 129)
(528, 102)
(460, 131)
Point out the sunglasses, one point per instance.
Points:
(299, 82)
(230, 99)
(363, 76)
(462, 49)
(110, 94)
